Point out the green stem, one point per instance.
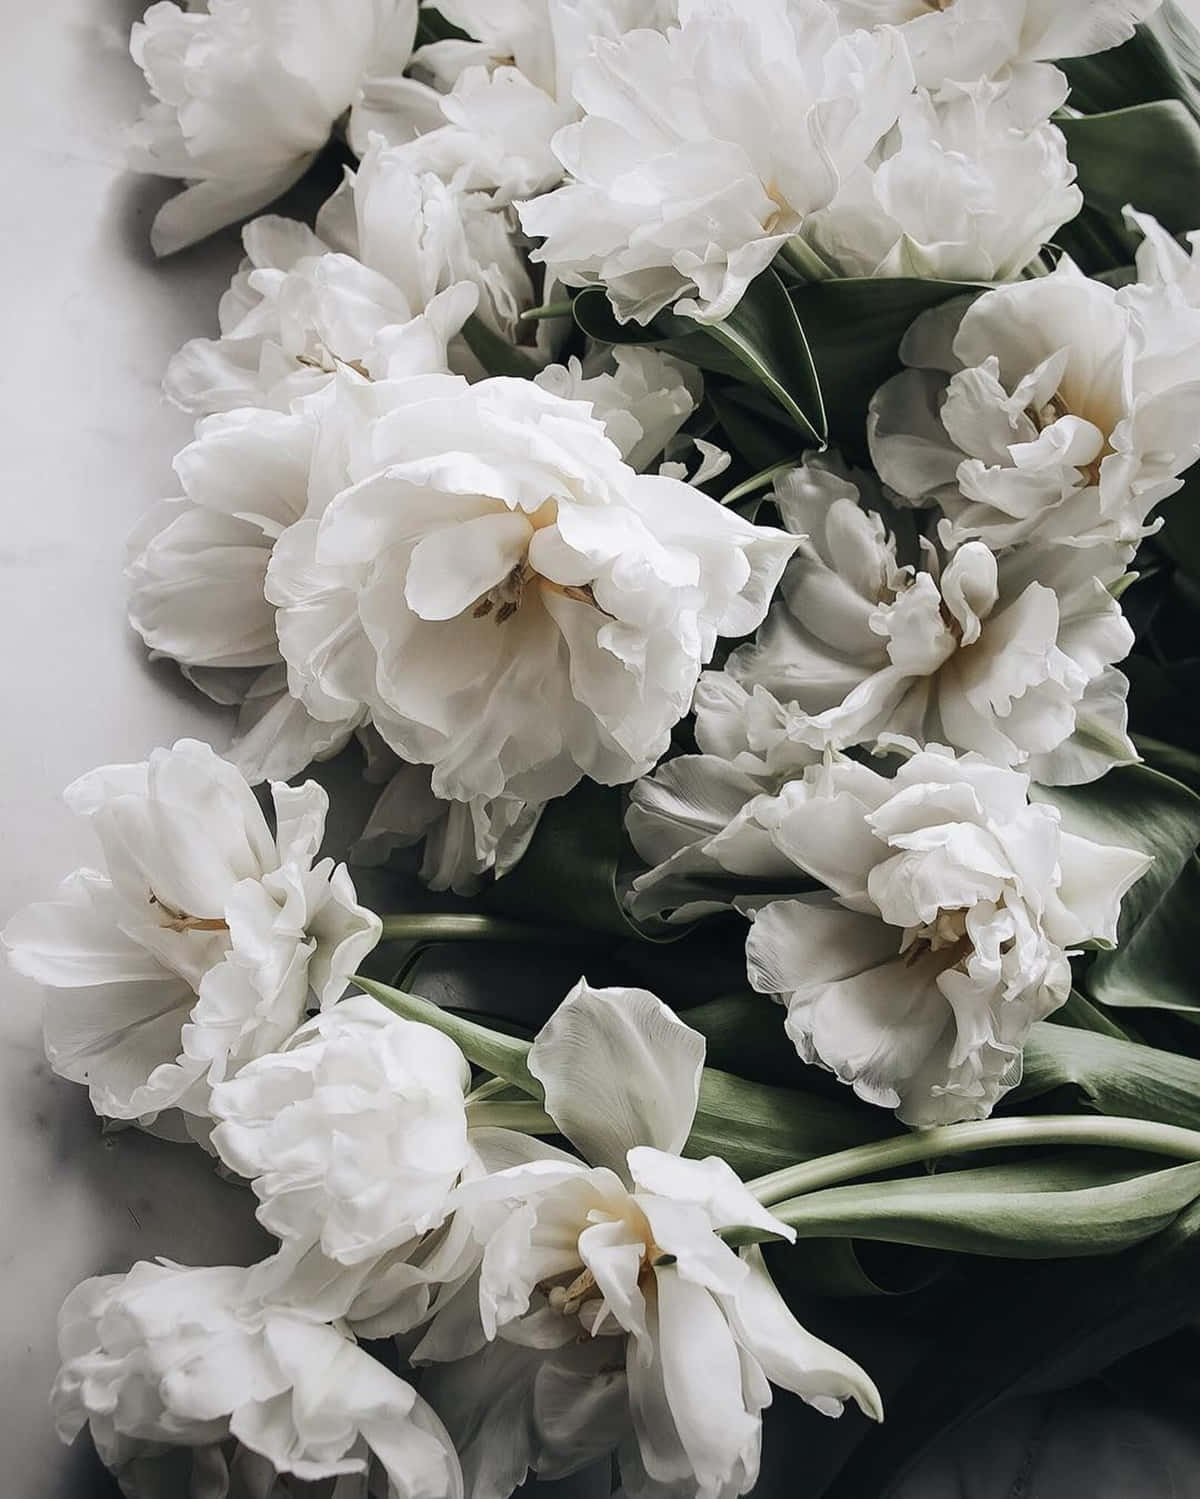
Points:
(961, 1139)
(473, 926)
(520, 1114)
(551, 309)
(487, 1090)
(761, 480)
(802, 259)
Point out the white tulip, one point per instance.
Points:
(962, 40)
(463, 841)
(690, 194)
(693, 819)
(247, 94)
(643, 399)
(609, 1313)
(507, 600)
(969, 186)
(507, 92)
(396, 265)
(197, 566)
(945, 938)
(353, 1133)
(1010, 656)
(170, 1357)
(1053, 410)
(202, 946)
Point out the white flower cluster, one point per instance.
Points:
(558, 1295)
(427, 510)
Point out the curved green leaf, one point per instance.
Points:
(1161, 61)
(764, 333)
(1022, 1328)
(1110, 1076)
(1135, 807)
(1081, 1204)
(570, 872)
(1147, 155)
(497, 355)
(854, 326)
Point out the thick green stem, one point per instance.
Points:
(961, 1139)
(524, 1115)
(471, 926)
(487, 1090)
(804, 261)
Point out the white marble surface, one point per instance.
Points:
(89, 322)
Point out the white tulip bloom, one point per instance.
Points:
(247, 94)
(642, 401)
(507, 92)
(1053, 410)
(693, 819)
(962, 40)
(610, 1313)
(969, 186)
(954, 904)
(203, 944)
(353, 1133)
(1162, 262)
(168, 1356)
(463, 841)
(507, 600)
(396, 265)
(198, 564)
(767, 113)
(1011, 657)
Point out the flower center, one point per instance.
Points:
(504, 599)
(782, 206)
(1053, 411)
(180, 921)
(946, 934)
(570, 1299)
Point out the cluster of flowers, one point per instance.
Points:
(504, 584)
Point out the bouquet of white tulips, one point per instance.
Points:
(719, 474)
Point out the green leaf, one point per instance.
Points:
(434, 27)
(680, 336)
(765, 335)
(854, 326)
(753, 425)
(1082, 1015)
(1155, 962)
(1147, 155)
(1024, 1328)
(1180, 764)
(1180, 535)
(1134, 807)
(496, 354)
(1084, 1203)
(757, 1128)
(744, 1033)
(1106, 1075)
(850, 1267)
(1162, 61)
(569, 874)
(1158, 964)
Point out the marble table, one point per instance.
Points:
(90, 319)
